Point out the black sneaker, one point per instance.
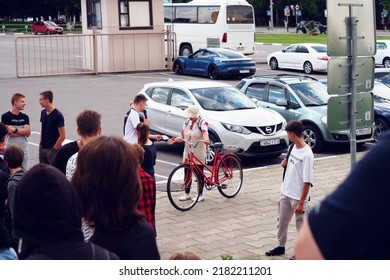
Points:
(275, 252)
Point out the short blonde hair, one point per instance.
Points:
(186, 255)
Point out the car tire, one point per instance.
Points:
(386, 62)
(273, 63)
(213, 72)
(380, 127)
(185, 50)
(47, 32)
(313, 138)
(210, 154)
(307, 67)
(35, 32)
(178, 68)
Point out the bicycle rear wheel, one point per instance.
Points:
(183, 187)
(230, 176)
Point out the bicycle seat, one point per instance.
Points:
(216, 145)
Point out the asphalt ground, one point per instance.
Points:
(243, 227)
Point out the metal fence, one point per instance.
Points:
(43, 55)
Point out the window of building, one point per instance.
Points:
(94, 14)
(135, 14)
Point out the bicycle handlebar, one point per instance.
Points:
(194, 145)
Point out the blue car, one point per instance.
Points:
(382, 116)
(215, 63)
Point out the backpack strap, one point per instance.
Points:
(287, 156)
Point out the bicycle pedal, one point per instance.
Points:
(223, 186)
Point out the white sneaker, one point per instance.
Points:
(185, 197)
(201, 198)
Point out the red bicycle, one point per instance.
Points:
(225, 174)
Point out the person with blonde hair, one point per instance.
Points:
(195, 128)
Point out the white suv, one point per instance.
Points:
(233, 118)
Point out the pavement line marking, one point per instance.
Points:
(167, 162)
(162, 176)
(255, 168)
(325, 157)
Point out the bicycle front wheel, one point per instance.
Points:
(230, 176)
(183, 187)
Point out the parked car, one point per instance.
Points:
(307, 57)
(29, 19)
(381, 93)
(381, 98)
(46, 27)
(233, 118)
(215, 63)
(302, 98)
(303, 25)
(382, 75)
(382, 56)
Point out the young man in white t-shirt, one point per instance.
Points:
(295, 188)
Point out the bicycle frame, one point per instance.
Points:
(194, 163)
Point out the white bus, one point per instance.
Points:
(211, 23)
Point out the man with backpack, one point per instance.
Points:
(294, 191)
(133, 118)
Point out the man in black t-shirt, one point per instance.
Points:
(53, 128)
(18, 125)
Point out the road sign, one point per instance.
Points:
(338, 32)
(297, 7)
(338, 117)
(339, 80)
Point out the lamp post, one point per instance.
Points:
(272, 14)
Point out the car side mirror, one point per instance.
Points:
(281, 102)
(184, 106)
(255, 101)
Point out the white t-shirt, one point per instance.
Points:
(130, 128)
(299, 170)
(71, 166)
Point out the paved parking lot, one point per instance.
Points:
(242, 227)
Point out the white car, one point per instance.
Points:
(307, 57)
(233, 118)
(382, 56)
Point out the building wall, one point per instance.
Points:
(126, 50)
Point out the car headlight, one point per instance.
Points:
(324, 119)
(236, 128)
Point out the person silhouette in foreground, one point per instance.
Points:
(47, 218)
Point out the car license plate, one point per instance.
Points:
(269, 142)
(363, 131)
(244, 71)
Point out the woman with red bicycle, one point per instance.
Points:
(195, 128)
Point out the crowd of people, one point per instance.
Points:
(95, 198)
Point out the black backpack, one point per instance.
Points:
(141, 118)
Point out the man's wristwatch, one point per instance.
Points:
(16, 130)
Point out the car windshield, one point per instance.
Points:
(222, 99)
(381, 90)
(50, 23)
(311, 93)
(320, 49)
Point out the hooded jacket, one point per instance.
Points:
(47, 218)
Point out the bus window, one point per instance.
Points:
(168, 14)
(186, 14)
(208, 14)
(239, 14)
